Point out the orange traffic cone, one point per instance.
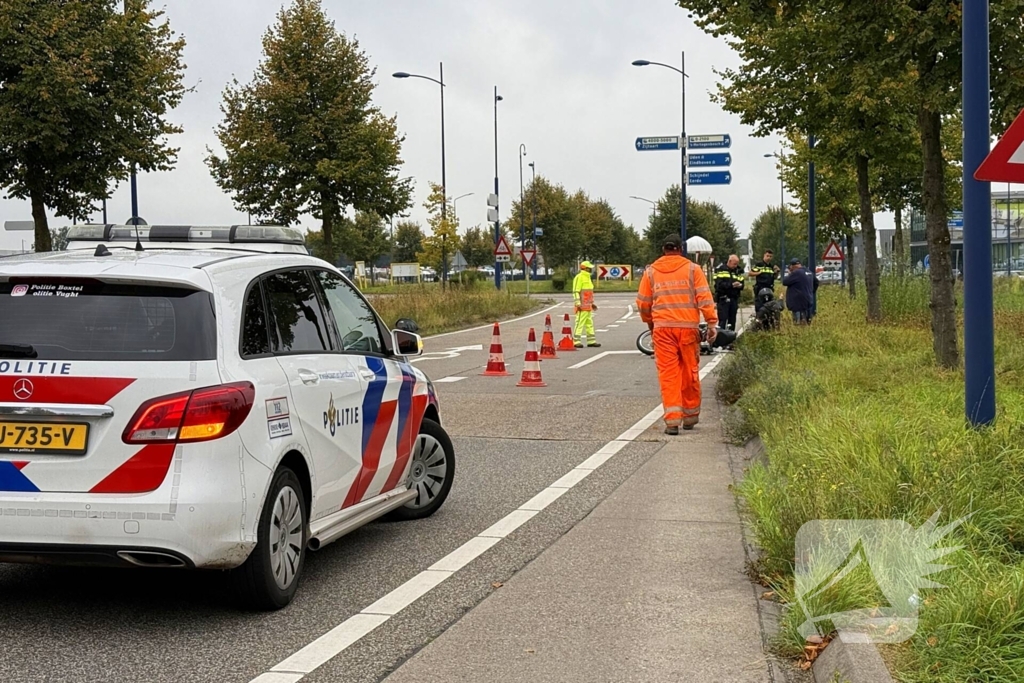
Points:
(566, 343)
(531, 369)
(547, 343)
(496, 359)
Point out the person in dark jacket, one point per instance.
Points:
(729, 279)
(764, 274)
(800, 286)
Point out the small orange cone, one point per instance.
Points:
(566, 343)
(496, 359)
(547, 343)
(531, 368)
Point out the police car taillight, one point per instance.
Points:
(191, 416)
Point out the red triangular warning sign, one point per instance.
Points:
(833, 253)
(1005, 163)
(502, 248)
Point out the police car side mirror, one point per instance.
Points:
(406, 343)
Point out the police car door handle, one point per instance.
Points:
(309, 377)
(367, 374)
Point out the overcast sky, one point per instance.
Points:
(563, 67)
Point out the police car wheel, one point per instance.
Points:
(431, 472)
(269, 578)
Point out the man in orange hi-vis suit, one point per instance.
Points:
(673, 294)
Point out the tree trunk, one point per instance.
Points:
(943, 304)
(329, 211)
(43, 241)
(898, 256)
(867, 227)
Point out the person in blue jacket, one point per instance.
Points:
(800, 287)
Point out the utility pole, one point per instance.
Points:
(497, 224)
(812, 223)
(979, 332)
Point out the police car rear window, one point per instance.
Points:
(63, 319)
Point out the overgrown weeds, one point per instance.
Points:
(859, 423)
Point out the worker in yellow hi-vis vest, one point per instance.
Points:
(583, 300)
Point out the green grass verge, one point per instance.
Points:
(859, 423)
(437, 311)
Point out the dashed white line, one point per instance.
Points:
(350, 631)
(449, 380)
(490, 325)
(602, 355)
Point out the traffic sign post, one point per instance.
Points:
(721, 141)
(709, 159)
(657, 143)
(502, 254)
(709, 178)
(833, 253)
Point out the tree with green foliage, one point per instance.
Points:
(444, 231)
(365, 238)
(766, 233)
(304, 136)
(558, 215)
(705, 219)
(408, 241)
(478, 246)
(85, 89)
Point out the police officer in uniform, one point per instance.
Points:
(764, 274)
(729, 279)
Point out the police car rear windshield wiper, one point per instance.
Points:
(18, 351)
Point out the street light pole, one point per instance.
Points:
(979, 332)
(782, 208)
(455, 206)
(533, 210)
(682, 140)
(444, 180)
(497, 224)
(522, 216)
(134, 185)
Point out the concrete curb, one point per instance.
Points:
(848, 659)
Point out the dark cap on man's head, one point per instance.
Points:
(794, 262)
(673, 241)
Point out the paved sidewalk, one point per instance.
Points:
(649, 587)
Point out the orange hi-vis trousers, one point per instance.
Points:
(677, 355)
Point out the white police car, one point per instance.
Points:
(204, 398)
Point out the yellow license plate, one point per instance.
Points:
(42, 437)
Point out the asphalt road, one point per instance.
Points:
(72, 624)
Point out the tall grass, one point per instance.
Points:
(859, 423)
(437, 311)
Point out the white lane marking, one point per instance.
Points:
(600, 356)
(571, 478)
(327, 646)
(613, 326)
(445, 355)
(491, 325)
(350, 631)
(629, 314)
(509, 523)
(465, 553)
(604, 330)
(449, 380)
(408, 593)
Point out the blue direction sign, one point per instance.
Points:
(709, 159)
(709, 178)
(956, 220)
(723, 141)
(648, 144)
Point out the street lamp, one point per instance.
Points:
(455, 205)
(654, 204)
(444, 183)
(682, 140)
(497, 224)
(135, 188)
(782, 209)
(533, 210)
(522, 213)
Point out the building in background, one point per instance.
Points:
(1006, 207)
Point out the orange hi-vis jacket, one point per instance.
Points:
(674, 293)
